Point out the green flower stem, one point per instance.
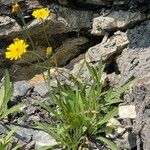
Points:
(45, 33)
(26, 30)
(62, 74)
(33, 52)
(36, 65)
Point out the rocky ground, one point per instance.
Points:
(116, 30)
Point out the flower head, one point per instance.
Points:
(16, 49)
(15, 8)
(49, 51)
(41, 13)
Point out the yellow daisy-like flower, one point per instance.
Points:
(15, 8)
(41, 13)
(16, 49)
(49, 51)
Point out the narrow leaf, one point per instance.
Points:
(111, 145)
(108, 116)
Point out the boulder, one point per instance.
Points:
(9, 26)
(140, 94)
(116, 20)
(134, 61)
(105, 50)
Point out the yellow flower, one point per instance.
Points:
(41, 13)
(49, 51)
(16, 49)
(15, 8)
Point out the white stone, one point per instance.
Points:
(113, 122)
(127, 111)
(43, 139)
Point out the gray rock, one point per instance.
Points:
(43, 139)
(120, 2)
(9, 27)
(87, 2)
(70, 49)
(21, 88)
(5, 2)
(24, 134)
(139, 35)
(116, 20)
(126, 141)
(140, 94)
(146, 135)
(134, 62)
(135, 59)
(80, 70)
(64, 20)
(98, 2)
(30, 136)
(106, 50)
(30, 110)
(31, 5)
(41, 88)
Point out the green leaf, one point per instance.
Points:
(16, 147)
(105, 129)
(108, 95)
(13, 109)
(90, 69)
(120, 90)
(114, 101)
(47, 108)
(2, 146)
(2, 93)
(9, 135)
(101, 69)
(51, 147)
(8, 87)
(7, 97)
(50, 130)
(5, 141)
(111, 145)
(108, 116)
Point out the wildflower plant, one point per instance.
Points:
(5, 95)
(16, 49)
(82, 112)
(14, 52)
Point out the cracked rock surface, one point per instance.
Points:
(117, 31)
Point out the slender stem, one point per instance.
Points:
(82, 65)
(40, 66)
(26, 30)
(29, 63)
(62, 74)
(47, 80)
(33, 52)
(45, 33)
(36, 65)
